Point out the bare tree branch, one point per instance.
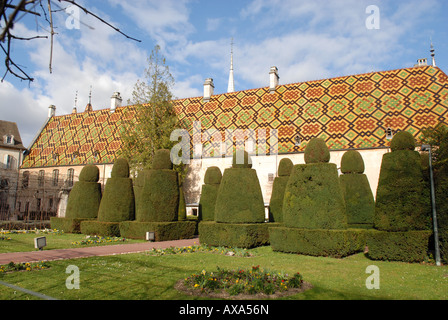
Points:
(103, 21)
(7, 23)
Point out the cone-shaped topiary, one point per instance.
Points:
(85, 197)
(159, 199)
(209, 193)
(313, 197)
(358, 195)
(240, 199)
(278, 190)
(402, 199)
(317, 151)
(118, 202)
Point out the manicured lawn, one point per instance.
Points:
(21, 242)
(142, 276)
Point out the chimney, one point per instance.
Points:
(273, 79)
(208, 89)
(421, 62)
(51, 111)
(115, 101)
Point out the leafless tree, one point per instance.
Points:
(12, 11)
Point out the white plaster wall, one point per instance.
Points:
(265, 165)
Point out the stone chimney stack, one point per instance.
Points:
(51, 111)
(208, 89)
(115, 101)
(273, 79)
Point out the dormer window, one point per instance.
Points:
(389, 134)
(8, 139)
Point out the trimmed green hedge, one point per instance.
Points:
(359, 201)
(67, 225)
(241, 159)
(85, 197)
(409, 246)
(237, 235)
(162, 160)
(352, 162)
(318, 242)
(277, 196)
(164, 231)
(209, 193)
(441, 186)
(317, 151)
(159, 198)
(403, 196)
(285, 167)
(313, 198)
(207, 202)
(100, 228)
(118, 202)
(239, 199)
(403, 140)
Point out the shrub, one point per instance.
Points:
(278, 190)
(409, 246)
(239, 199)
(241, 159)
(162, 160)
(209, 193)
(164, 231)
(85, 197)
(402, 199)
(317, 242)
(402, 140)
(352, 162)
(359, 201)
(317, 151)
(213, 175)
(313, 198)
(118, 203)
(441, 186)
(159, 198)
(238, 235)
(101, 228)
(67, 225)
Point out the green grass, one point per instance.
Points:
(143, 276)
(22, 242)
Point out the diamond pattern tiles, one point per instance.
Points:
(77, 139)
(348, 112)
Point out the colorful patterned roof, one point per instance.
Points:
(351, 112)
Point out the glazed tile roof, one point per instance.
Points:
(348, 112)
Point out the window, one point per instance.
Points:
(70, 177)
(40, 178)
(270, 177)
(25, 179)
(55, 177)
(8, 161)
(8, 139)
(50, 203)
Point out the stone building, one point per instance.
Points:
(360, 112)
(11, 156)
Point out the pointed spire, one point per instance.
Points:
(75, 110)
(89, 105)
(433, 55)
(231, 86)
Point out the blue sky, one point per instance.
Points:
(306, 40)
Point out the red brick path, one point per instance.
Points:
(59, 254)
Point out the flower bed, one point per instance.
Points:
(11, 267)
(235, 282)
(98, 240)
(200, 248)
